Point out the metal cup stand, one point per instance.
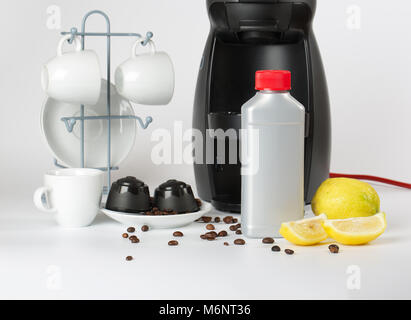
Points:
(70, 122)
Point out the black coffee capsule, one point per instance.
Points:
(175, 195)
(129, 195)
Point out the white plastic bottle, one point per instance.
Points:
(272, 156)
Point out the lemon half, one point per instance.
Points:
(305, 232)
(356, 231)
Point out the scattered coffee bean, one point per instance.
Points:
(222, 234)
(131, 229)
(211, 234)
(210, 227)
(238, 225)
(145, 228)
(178, 234)
(228, 219)
(239, 242)
(235, 220)
(125, 235)
(157, 212)
(226, 244)
(268, 240)
(173, 243)
(199, 203)
(334, 248)
(134, 239)
(206, 219)
(129, 258)
(276, 249)
(233, 228)
(238, 232)
(289, 251)
(217, 219)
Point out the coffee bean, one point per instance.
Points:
(226, 244)
(228, 219)
(289, 251)
(268, 240)
(173, 243)
(233, 228)
(125, 235)
(334, 248)
(222, 234)
(235, 220)
(199, 203)
(210, 227)
(145, 228)
(238, 225)
(178, 234)
(129, 258)
(276, 249)
(238, 232)
(239, 242)
(217, 219)
(210, 236)
(134, 239)
(206, 219)
(131, 229)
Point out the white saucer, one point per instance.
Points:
(158, 222)
(65, 146)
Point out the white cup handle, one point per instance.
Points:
(63, 40)
(39, 195)
(138, 42)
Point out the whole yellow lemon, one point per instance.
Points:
(343, 198)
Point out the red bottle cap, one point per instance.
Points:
(275, 80)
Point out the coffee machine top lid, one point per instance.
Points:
(311, 3)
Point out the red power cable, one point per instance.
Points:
(372, 178)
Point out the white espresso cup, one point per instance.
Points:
(146, 78)
(74, 195)
(73, 77)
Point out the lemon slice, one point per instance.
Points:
(356, 231)
(304, 232)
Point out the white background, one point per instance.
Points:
(368, 72)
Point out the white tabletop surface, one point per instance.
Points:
(39, 260)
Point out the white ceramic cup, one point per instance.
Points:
(74, 195)
(146, 78)
(72, 77)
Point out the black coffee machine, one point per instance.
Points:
(246, 36)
